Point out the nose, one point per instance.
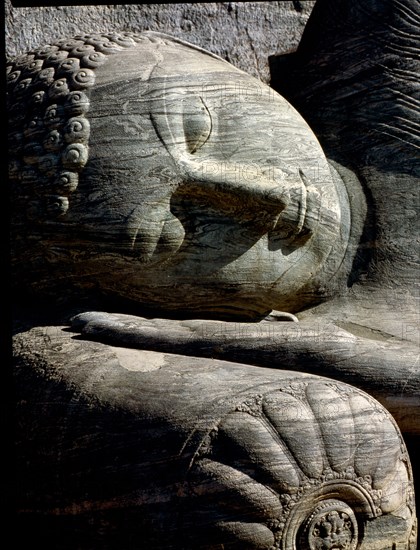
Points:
(249, 193)
(242, 190)
(299, 219)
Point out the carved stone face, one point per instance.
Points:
(205, 191)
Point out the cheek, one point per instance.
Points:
(118, 190)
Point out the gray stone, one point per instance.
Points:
(243, 33)
(136, 158)
(130, 448)
(155, 181)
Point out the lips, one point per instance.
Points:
(158, 236)
(162, 228)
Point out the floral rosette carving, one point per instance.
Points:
(307, 467)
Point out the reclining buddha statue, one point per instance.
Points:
(207, 353)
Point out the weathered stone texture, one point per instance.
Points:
(200, 434)
(244, 33)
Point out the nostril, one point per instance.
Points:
(298, 221)
(291, 221)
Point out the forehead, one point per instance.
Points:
(176, 80)
(157, 56)
(163, 65)
(142, 78)
(169, 77)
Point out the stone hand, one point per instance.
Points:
(386, 369)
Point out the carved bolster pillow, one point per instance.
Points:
(124, 448)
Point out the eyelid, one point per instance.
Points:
(181, 120)
(197, 123)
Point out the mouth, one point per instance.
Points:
(169, 227)
(158, 237)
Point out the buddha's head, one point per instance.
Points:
(152, 171)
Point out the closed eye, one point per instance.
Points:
(197, 124)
